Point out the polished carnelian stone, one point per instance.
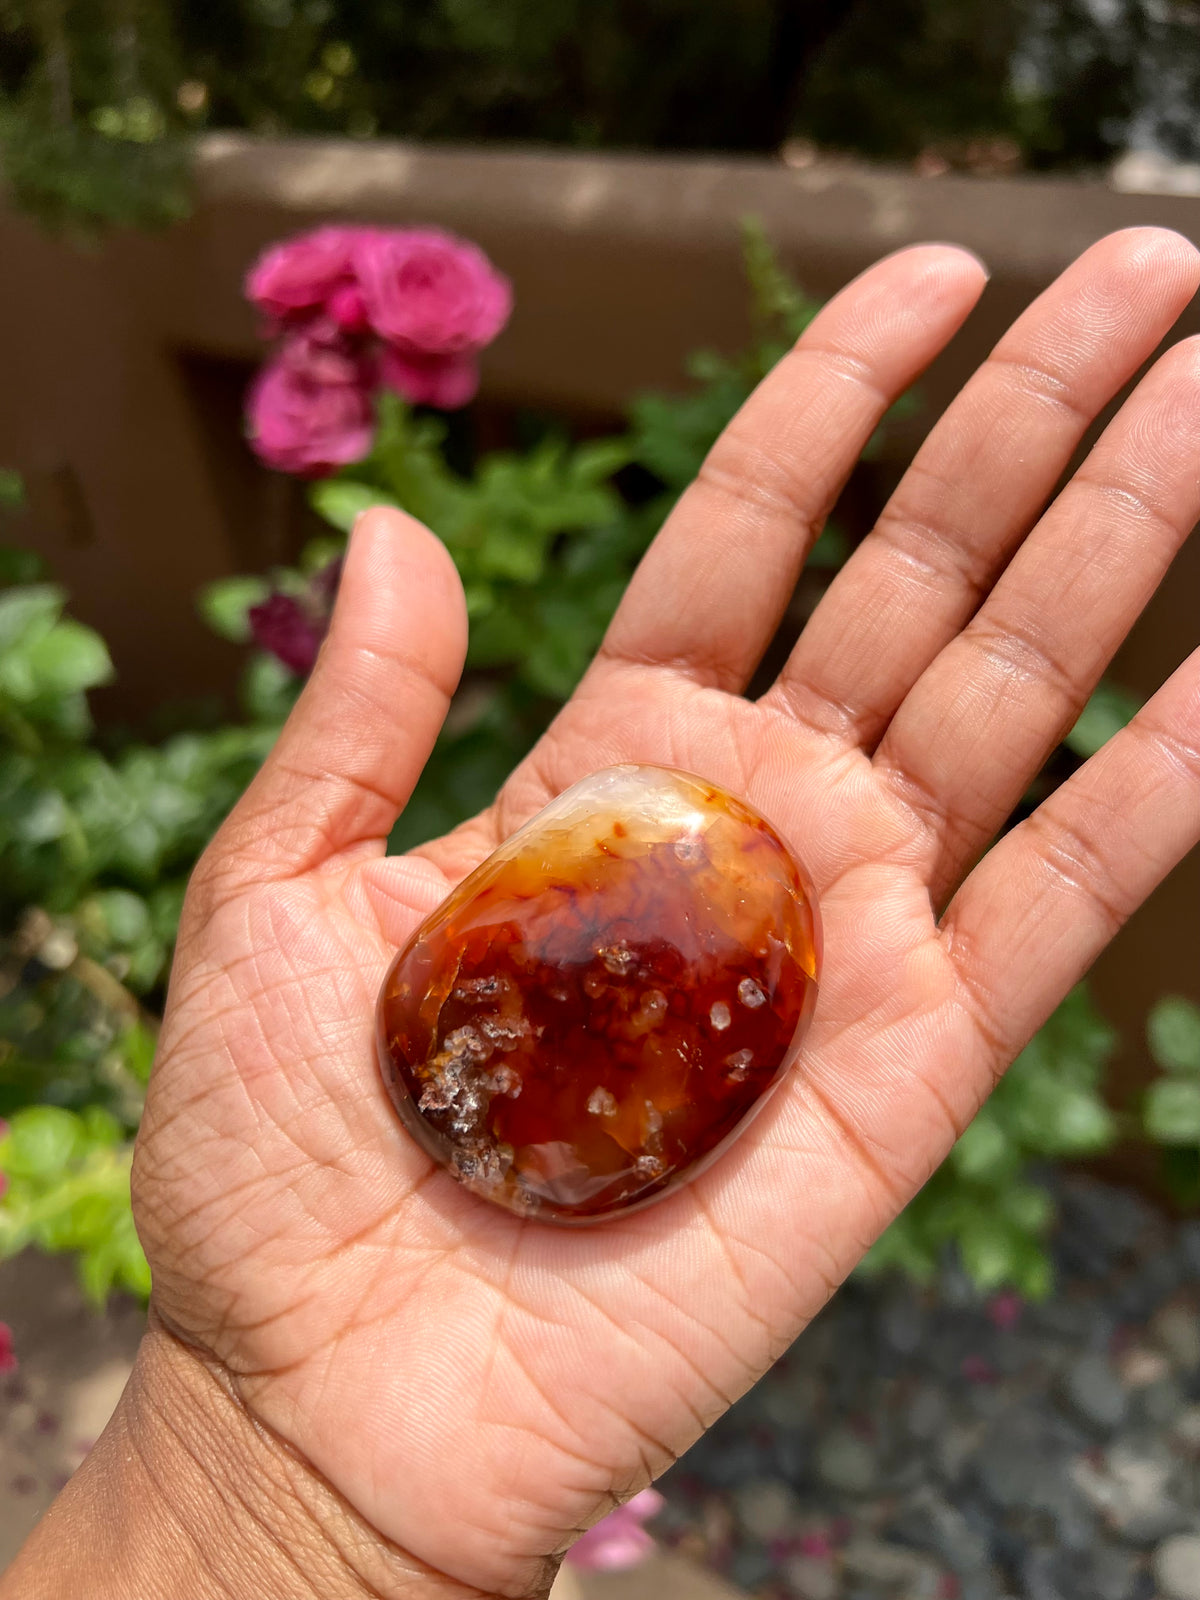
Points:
(599, 1007)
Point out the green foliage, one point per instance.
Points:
(68, 1190)
(673, 434)
(95, 848)
(1106, 713)
(1173, 1033)
(1171, 1110)
(84, 179)
(97, 97)
(224, 605)
(1047, 1107)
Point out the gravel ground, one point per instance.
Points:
(930, 1446)
(913, 1445)
(72, 1365)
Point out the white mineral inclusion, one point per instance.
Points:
(720, 1016)
(601, 1103)
(655, 803)
(739, 1063)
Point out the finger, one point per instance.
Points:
(982, 720)
(1044, 902)
(360, 733)
(980, 480)
(712, 588)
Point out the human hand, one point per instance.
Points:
(469, 1388)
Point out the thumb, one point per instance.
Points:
(357, 739)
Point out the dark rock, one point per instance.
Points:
(1096, 1393)
(750, 1565)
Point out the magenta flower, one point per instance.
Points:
(429, 293)
(619, 1540)
(1004, 1309)
(447, 382)
(299, 275)
(290, 626)
(8, 1358)
(408, 309)
(310, 410)
(817, 1545)
(978, 1369)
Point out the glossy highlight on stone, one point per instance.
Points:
(596, 1011)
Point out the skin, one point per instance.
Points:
(361, 1380)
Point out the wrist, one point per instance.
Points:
(187, 1494)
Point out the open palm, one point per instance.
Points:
(478, 1387)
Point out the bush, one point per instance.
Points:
(96, 844)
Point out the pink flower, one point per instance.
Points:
(280, 626)
(292, 626)
(443, 381)
(348, 308)
(817, 1545)
(619, 1540)
(977, 1369)
(430, 293)
(1005, 1308)
(310, 409)
(8, 1359)
(299, 275)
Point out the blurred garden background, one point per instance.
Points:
(670, 190)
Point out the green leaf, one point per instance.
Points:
(1106, 713)
(269, 689)
(68, 658)
(984, 1150)
(12, 490)
(28, 612)
(1173, 1032)
(225, 605)
(1027, 1206)
(342, 501)
(41, 1142)
(900, 1248)
(601, 459)
(138, 1045)
(100, 1126)
(1172, 1111)
(830, 550)
(1056, 1117)
(320, 552)
(19, 566)
(125, 916)
(989, 1249)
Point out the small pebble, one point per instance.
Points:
(1176, 1328)
(766, 1508)
(846, 1462)
(811, 1579)
(1176, 1567)
(1095, 1390)
(934, 1444)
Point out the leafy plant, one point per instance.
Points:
(94, 853)
(68, 1190)
(1172, 1105)
(97, 97)
(1048, 1107)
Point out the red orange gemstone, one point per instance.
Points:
(596, 1011)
